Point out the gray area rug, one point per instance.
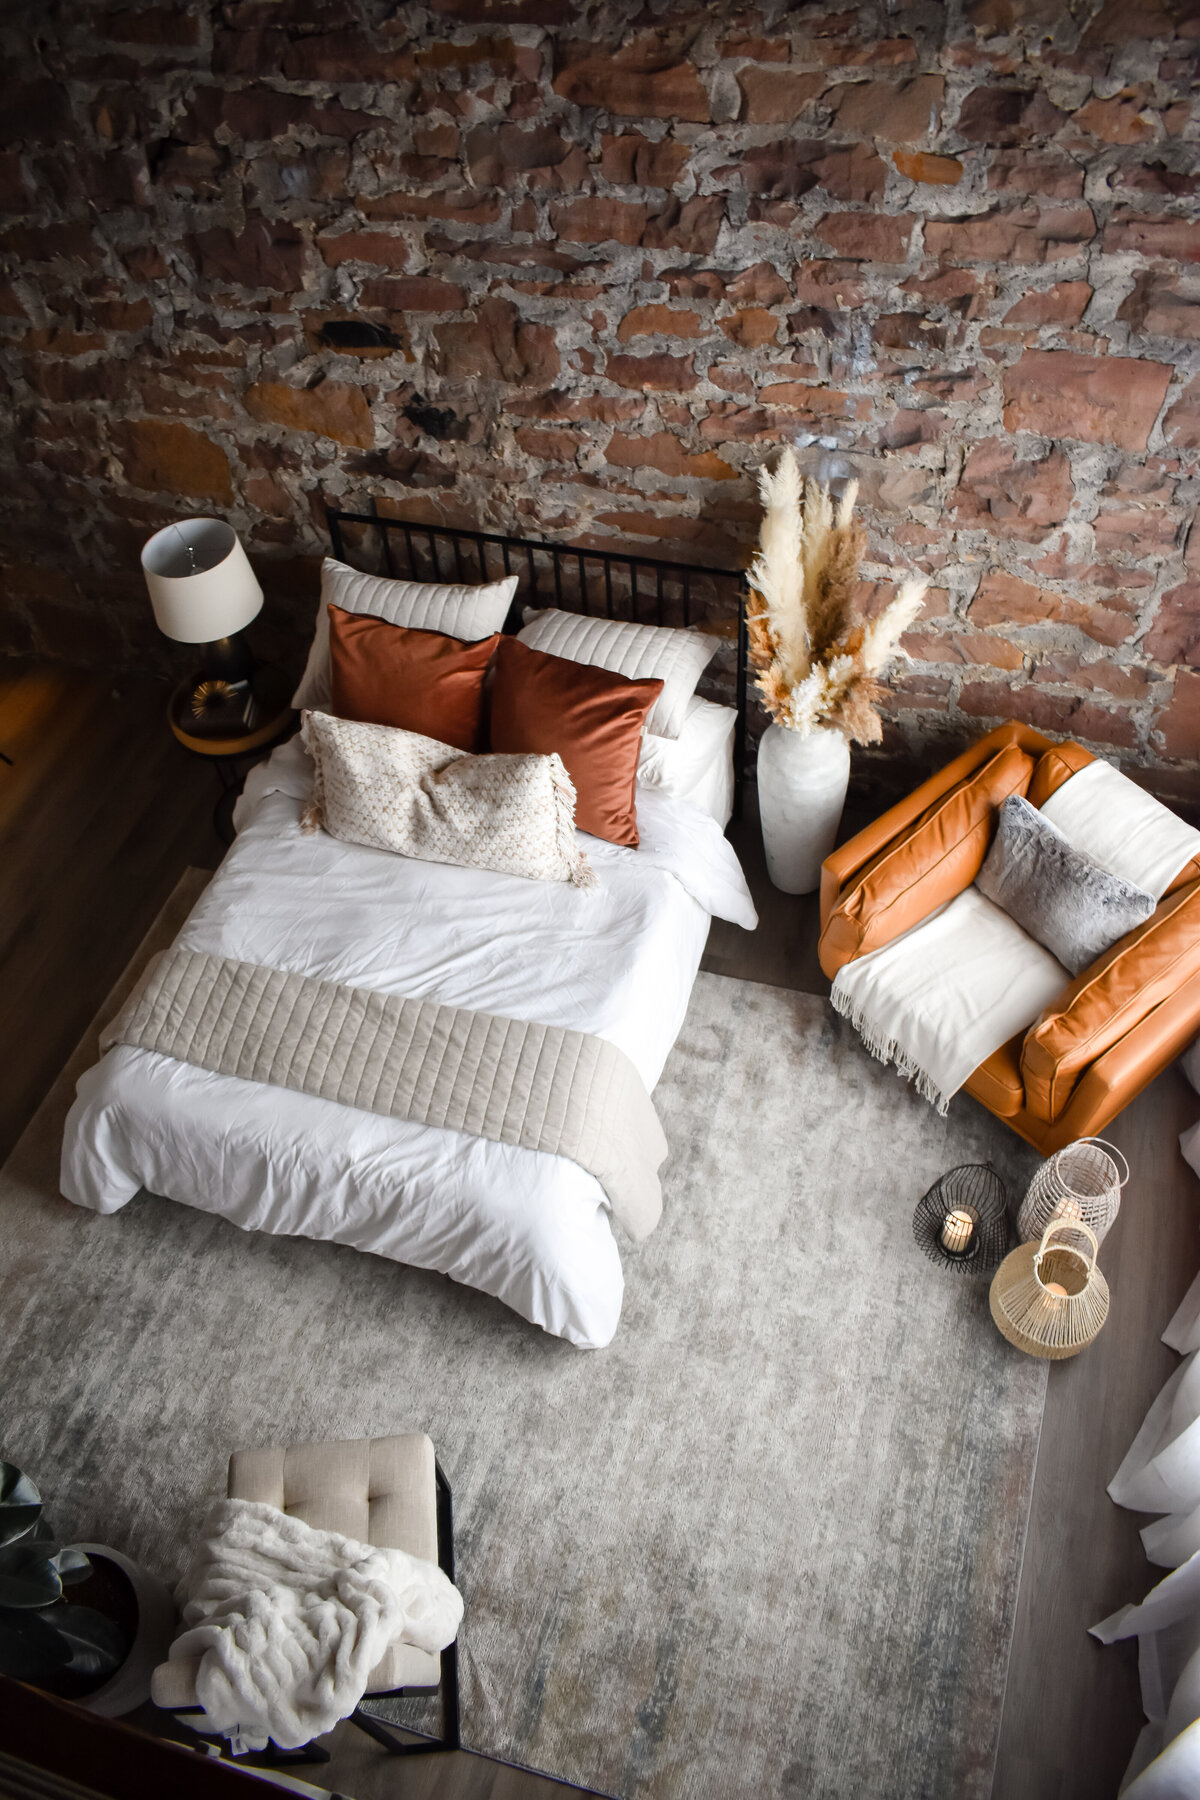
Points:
(767, 1543)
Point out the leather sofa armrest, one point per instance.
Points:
(1106, 1002)
(1122, 1072)
(852, 856)
(922, 868)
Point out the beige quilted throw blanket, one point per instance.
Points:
(394, 790)
(540, 1086)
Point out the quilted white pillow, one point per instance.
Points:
(469, 613)
(676, 658)
(394, 790)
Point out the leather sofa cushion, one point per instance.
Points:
(933, 862)
(1103, 1003)
(1055, 767)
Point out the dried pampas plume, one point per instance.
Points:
(817, 663)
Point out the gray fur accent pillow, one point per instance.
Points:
(1060, 896)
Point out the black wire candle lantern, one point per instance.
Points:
(962, 1222)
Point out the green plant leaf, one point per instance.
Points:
(30, 1648)
(20, 1504)
(28, 1577)
(98, 1645)
(72, 1565)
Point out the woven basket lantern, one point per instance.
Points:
(1082, 1183)
(1049, 1298)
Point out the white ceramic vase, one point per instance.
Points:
(801, 791)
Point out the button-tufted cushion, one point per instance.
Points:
(382, 1491)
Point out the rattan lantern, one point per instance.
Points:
(1049, 1298)
(1082, 1182)
(962, 1223)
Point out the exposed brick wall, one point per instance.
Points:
(610, 257)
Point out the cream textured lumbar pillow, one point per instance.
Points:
(656, 652)
(466, 613)
(394, 790)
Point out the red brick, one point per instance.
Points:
(153, 25)
(1120, 20)
(1068, 714)
(1181, 427)
(558, 404)
(732, 378)
(343, 56)
(1023, 234)
(460, 207)
(934, 171)
(961, 290)
(42, 243)
(1003, 599)
(501, 53)
(827, 283)
(413, 293)
(867, 237)
(630, 91)
(758, 49)
(499, 154)
(1045, 172)
(909, 428)
(817, 400)
(376, 247)
(908, 331)
(1158, 307)
(332, 409)
(1180, 723)
(691, 225)
(653, 374)
(970, 647)
(1119, 120)
(262, 256)
(262, 115)
(794, 167)
(776, 96)
(1175, 238)
(876, 53)
(1013, 496)
(599, 221)
(633, 160)
(751, 328)
(728, 423)
(1101, 676)
(1063, 304)
(648, 321)
(1005, 117)
(549, 446)
(167, 458)
(497, 346)
(897, 112)
(1098, 399)
(663, 451)
(1058, 567)
(1174, 636)
(34, 110)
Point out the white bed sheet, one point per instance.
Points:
(530, 1228)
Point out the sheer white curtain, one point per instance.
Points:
(1161, 1474)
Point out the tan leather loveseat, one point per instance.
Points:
(1112, 1029)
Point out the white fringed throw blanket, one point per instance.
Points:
(289, 1622)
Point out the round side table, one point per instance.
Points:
(233, 757)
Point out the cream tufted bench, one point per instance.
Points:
(388, 1492)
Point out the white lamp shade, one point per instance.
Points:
(201, 584)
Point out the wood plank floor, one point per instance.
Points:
(99, 816)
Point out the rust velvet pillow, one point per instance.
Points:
(420, 681)
(591, 717)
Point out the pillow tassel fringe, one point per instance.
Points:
(887, 1050)
(582, 875)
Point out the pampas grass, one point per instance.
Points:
(817, 662)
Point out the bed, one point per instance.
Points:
(618, 962)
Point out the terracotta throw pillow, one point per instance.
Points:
(413, 680)
(590, 717)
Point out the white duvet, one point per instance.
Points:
(532, 1229)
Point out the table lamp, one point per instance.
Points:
(204, 591)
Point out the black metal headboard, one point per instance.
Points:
(614, 584)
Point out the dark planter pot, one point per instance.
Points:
(142, 1605)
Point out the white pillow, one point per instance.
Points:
(677, 658)
(395, 790)
(697, 765)
(469, 613)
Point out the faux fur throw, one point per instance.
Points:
(1063, 898)
(289, 1622)
(394, 790)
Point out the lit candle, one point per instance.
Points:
(1056, 1288)
(958, 1228)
